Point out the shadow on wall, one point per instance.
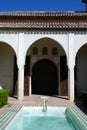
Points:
(64, 88)
(26, 86)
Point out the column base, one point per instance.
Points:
(20, 98)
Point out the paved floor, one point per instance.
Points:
(38, 100)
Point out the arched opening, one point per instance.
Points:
(7, 55)
(45, 78)
(53, 53)
(81, 71)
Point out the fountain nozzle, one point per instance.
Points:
(45, 103)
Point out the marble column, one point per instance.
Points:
(71, 84)
(21, 63)
(71, 64)
(20, 83)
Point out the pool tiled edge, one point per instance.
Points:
(78, 116)
(8, 115)
(74, 113)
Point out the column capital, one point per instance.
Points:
(71, 67)
(21, 67)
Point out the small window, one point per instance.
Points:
(54, 51)
(44, 51)
(35, 51)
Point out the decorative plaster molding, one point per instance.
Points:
(41, 32)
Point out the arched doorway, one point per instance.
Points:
(47, 50)
(45, 78)
(81, 71)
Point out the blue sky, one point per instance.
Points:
(41, 5)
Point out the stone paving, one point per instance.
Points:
(37, 100)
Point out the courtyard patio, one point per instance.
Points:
(36, 100)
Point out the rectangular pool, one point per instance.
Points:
(33, 118)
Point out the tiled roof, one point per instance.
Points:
(84, 1)
(43, 20)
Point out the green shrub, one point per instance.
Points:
(4, 93)
(84, 97)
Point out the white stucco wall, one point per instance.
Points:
(10, 39)
(20, 42)
(80, 40)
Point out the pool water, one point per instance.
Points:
(34, 118)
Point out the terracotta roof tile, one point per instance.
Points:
(43, 20)
(42, 13)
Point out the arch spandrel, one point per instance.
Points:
(79, 48)
(10, 45)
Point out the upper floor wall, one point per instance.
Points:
(21, 41)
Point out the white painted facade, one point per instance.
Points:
(20, 42)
